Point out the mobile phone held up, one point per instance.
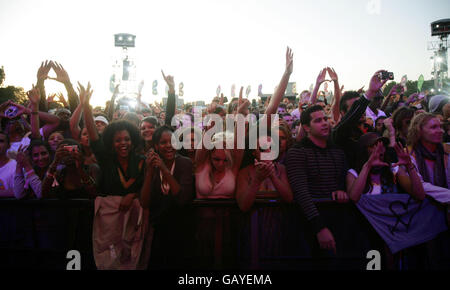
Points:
(386, 75)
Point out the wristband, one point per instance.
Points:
(34, 113)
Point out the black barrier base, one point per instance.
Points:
(214, 235)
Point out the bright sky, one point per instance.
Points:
(209, 43)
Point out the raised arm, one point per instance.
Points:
(111, 108)
(42, 75)
(279, 92)
(63, 77)
(320, 79)
(171, 103)
(85, 96)
(408, 179)
(51, 121)
(75, 129)
(337, 94)
(34, 97)
(356, 185)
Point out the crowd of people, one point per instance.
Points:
(359, 143)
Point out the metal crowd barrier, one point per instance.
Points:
(213, 234)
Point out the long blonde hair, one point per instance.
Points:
(415, 128)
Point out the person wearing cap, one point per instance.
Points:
(101, 123)
(437, 103)
(374, 174)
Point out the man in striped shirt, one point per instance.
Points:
(316, 170)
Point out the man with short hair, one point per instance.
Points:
(316, 170)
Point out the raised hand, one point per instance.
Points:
(4, 106)
(34, 95)
(374, 159)
(22, 157)
(243, 104)
(51, 98)
(61, 74)
(375, 84)
(169, 80)
(141, 85)
(85, 94)
(403, 156)
(43, 70)
(321, 76)
(60, 154)
(289, 61)
(332, 73)
(61, 98)
(116, 90)
(389, 124)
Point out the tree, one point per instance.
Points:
(16, 94)
(2, 76)
(411, 87)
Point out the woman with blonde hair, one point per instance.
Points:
(425, 140)
(217, 169)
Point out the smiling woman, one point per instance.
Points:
(168, 187)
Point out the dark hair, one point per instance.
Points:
(117, 126)
(158, 133)
(399, 115)
(386, 175)
(345, 97)
(282, 105)
(296, 123)
(37, 143)
(151, 120)
(189, 130)
(305, 117)
(7, 136)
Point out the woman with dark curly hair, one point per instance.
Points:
(122, 169)
(119, 226)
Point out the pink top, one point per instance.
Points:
(205, 189)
